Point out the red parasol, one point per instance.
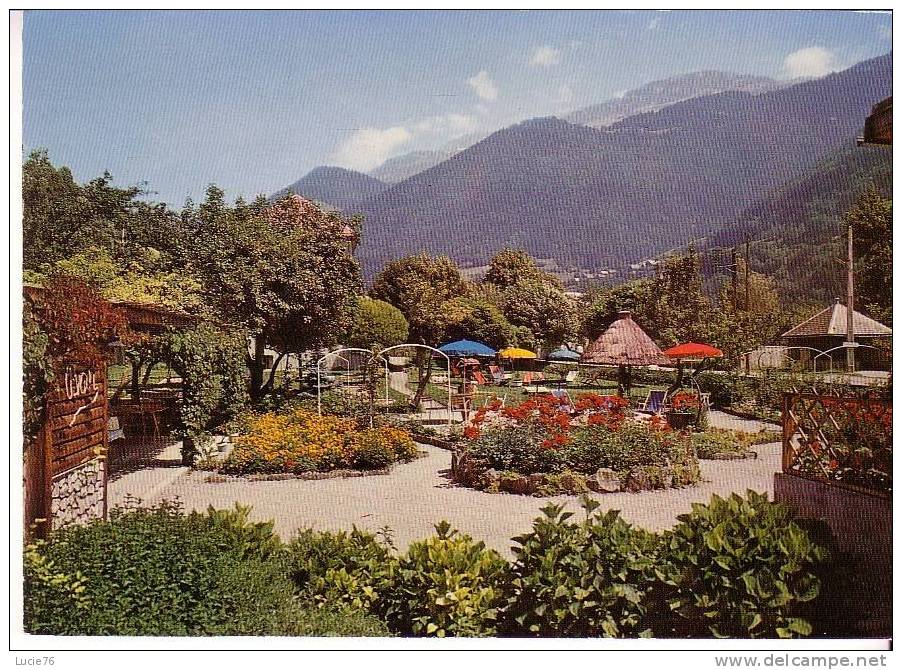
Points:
(693, 350)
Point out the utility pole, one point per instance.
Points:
(734, 269)
(748, 305)
(850, 309)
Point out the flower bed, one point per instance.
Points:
(540, 448)
(301, 441)
(717, 444)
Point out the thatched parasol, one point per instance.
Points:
(624, 344)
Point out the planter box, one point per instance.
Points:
(680, 420)
(862, 526)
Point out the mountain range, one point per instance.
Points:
(633, 188)
(658, 94)
(334, 187)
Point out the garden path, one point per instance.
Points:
(717, 419)
(419, 494)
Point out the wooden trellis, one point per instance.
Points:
(842, 440)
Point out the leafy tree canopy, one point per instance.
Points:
(377, 324)
(419, 286)
(871, 219)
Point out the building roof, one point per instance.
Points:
(832, 322)
(140, 315)
(624, 343)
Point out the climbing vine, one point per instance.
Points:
(211, 362)
(66, 320)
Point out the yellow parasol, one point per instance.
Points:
(513, 352)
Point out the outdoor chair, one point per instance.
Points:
(705, 399)
(479, 377)
(497, 375)
(114, 430)
(654, 402)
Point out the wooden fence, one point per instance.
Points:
(846, 441)
(65, 466)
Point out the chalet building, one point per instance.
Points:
(827, 330)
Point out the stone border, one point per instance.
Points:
(746, 415)
(723, 456)
(431, 440)
(604, 480)
(219, 478)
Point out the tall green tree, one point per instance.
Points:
(871, 219)
(283, 273)
(476, 318)
(419, 286)
(61, 217)
(532, 300)
(513, 266)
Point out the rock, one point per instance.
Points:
(605, 481)
(638, 480)
(537, 481)
(515, 483)
(489, 479)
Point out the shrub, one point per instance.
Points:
(339, 623)
(620, 446)
(587, 579)
(739, 567)
(446, 585)
(714, 443)
(516, 448)
(633, 445)
(158, 572)
(343, 571)
(301, 440)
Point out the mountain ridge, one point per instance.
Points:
(594, 196)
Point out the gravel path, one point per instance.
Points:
(419, 494)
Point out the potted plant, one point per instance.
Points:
(684, 410)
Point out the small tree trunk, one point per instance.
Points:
(424, 373)
(255, 363)
(272, 375)
(136, 377)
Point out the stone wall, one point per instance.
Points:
(78, 495)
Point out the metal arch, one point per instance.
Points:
(781, 353)
(842, 346)
(336, 353)
(420, 346)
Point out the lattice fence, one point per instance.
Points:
(842, 440)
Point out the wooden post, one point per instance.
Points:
(788, 430)
(850, 309)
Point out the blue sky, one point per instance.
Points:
(251, 101)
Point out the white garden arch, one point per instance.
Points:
(844, 346)
(418, 346)
(319, 367)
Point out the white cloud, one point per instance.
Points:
(809, 62)
(546, 55)
(482, 83)
(447, 125)
(368, 148)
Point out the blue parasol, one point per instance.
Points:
(467, 348)
(564, 354)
